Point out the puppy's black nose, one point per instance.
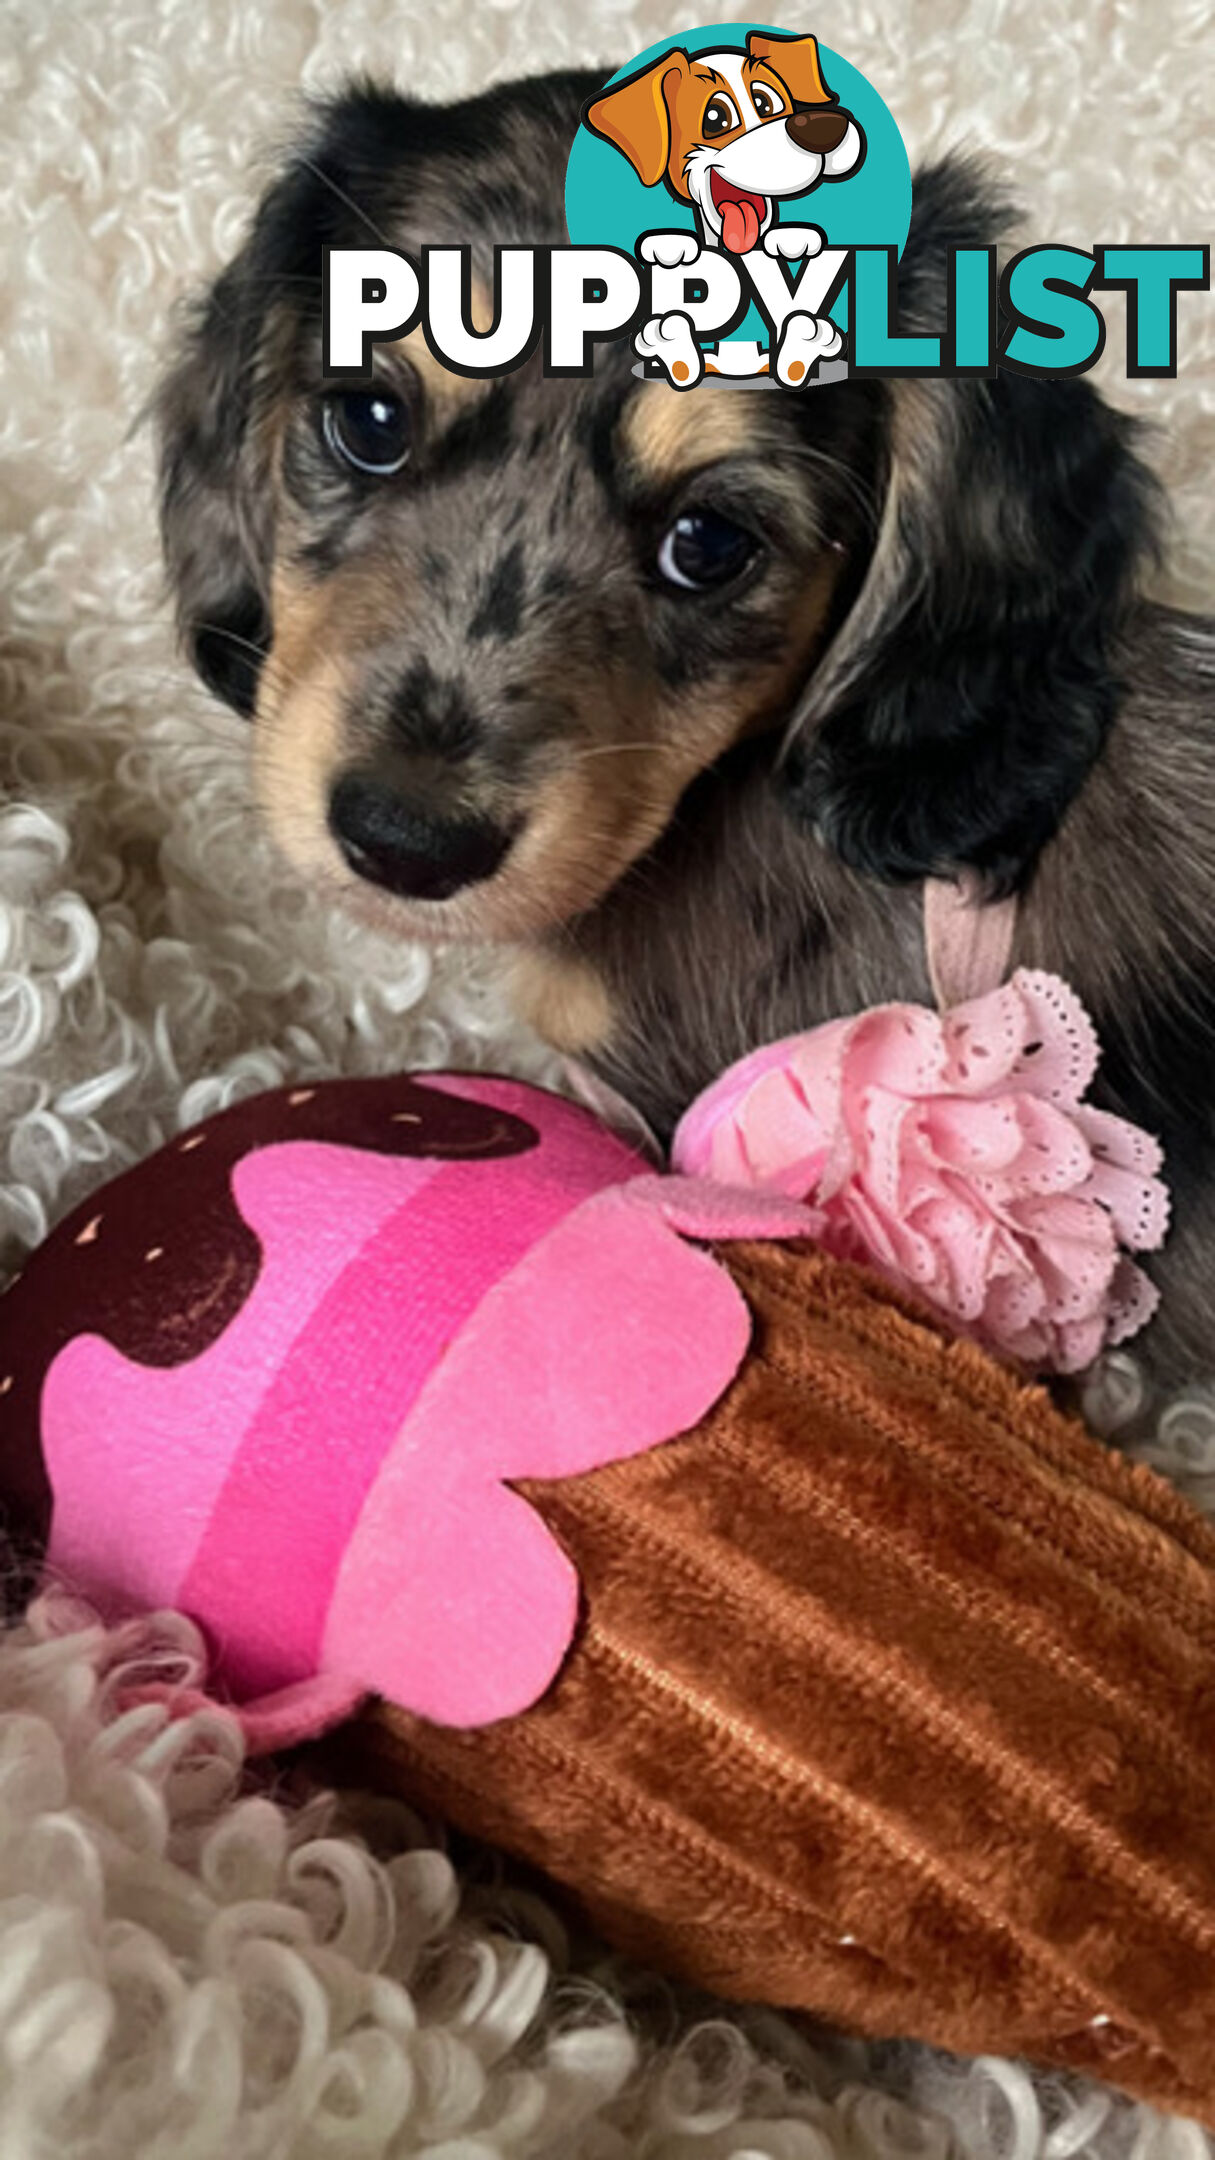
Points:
(409, 850)
(818, 129)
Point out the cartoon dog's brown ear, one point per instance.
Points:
(795, 60)
(634, 117)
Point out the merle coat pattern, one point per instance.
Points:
(698, 819)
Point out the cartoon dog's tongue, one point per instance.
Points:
(739, 225)
(740, 211)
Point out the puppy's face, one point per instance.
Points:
(512, 623)
(504, 624)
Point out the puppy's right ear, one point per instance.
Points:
(796, 61)
(635, 117)
(215, 498)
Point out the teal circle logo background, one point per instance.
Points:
(607, 206)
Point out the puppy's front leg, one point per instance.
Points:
(795, 242)
(806, 338)
(669, 339)
(668, 249)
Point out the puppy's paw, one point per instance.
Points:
(795, 242)
(668, 249)
(805, 340)
(669, 339)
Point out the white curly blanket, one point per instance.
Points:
(155, 962)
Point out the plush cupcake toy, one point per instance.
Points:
(663, 1527)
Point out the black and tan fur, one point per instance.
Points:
(711, 814)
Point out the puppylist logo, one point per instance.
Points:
(736, 206)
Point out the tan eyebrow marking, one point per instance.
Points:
(667, 433)
(442, 382)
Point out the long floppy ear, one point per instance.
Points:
(635, 119)
(973, 683)
(216, 500)
(216, 555)
(796, 61)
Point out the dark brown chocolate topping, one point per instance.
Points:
(172, 1224)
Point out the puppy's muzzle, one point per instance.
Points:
(821, 132)
(406, 848)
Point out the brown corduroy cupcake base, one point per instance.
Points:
(893, 1700)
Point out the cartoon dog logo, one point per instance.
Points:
(734, 133)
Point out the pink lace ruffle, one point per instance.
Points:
(954, 1153)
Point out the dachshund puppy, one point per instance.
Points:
(681, 698)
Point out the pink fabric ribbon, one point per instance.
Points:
(954, 1153)
(968, 939)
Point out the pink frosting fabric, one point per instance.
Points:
(328, 1487)
(955, 1154)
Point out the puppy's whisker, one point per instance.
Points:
(615, 749)
(326, 179)
(234, 637)
(272, 665)
(854, 484)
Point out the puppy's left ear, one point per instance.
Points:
(975, 679)
(211, 413)
(211, 510)
(635, 116)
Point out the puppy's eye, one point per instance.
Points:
(702, 550)
(766, 102)
(369, 429)
(719, 118)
